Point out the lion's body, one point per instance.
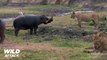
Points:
(100, 42)
(81, 17)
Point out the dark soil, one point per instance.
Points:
(65, 33)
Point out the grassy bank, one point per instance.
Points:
(72, 7)
(28, 9)
(47, 45)
(16, 11)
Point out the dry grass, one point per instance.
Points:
(57, 48)
(64, 49)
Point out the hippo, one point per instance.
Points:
(2, 31)
(25, 22)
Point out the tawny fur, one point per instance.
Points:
(86, 17)
(100, 41)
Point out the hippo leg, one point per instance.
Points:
(16, 31)
(2, 38)
(35, 29)
(31, 31)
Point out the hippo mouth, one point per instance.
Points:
(49, 21)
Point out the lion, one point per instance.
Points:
(100, 43)
(81, 17)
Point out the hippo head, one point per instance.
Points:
(46, 20)
(73, 15)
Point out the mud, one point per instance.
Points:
(65, 33)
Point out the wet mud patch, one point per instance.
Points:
(49, 32)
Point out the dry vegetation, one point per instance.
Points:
(54, 46)
(60, 40)
(47, 45)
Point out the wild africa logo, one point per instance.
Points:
(11, 52)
